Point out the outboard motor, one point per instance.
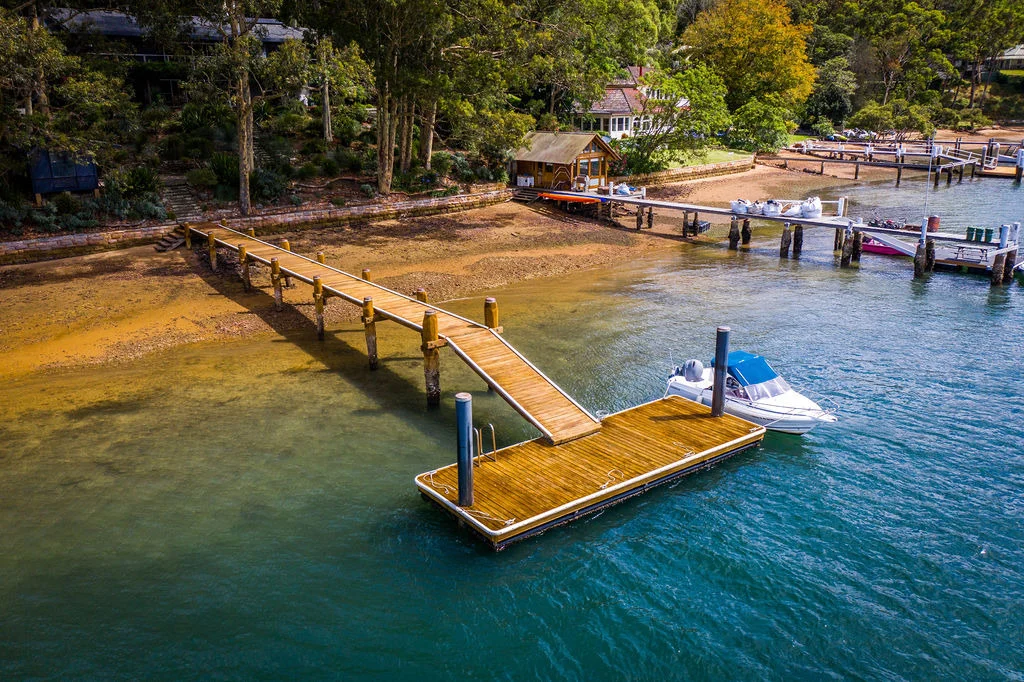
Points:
(693, 370)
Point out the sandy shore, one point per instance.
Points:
(116, 306)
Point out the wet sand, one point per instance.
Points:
(116, 306)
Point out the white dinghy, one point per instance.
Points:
(753, 391)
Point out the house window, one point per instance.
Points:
(549, 168)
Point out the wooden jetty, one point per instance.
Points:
(538, 399)
(582, 464)
(526, 489)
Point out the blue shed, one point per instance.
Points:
(61, 172)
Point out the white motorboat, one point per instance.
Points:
(753, 391)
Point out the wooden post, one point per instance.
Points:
(366, 274)
(787, 239)
(650, 217)
(275, 279)
(949, 176)
(960, 178)
(899, 174)
(1009, 264)
(212, 242)
(320, 258)
(243, 260)
(286, 245)
(846, 256)
(188, 236)
(929, 255)
(974, 167)
(856, 171)
(919, 261)
(370, 326)
(491, 313)
(998, 268)
(431, 359)
(318, 302)
(822, 168)
(252, 232)
(639, 218)
(421, 295)
(745, 232)
(734, 234)
(695, 228)
(858, 245)
(686, 221)
(837, 243)
(798, 240)
(937, 174)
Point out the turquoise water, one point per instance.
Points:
(247, 511)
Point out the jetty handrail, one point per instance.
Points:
(309, 280)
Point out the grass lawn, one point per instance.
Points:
(793, 139)
(714, 156)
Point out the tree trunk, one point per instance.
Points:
(974, 81)
(40, 80)
(244, 134)
(427, 133)
(325, 105)
(407, 126)
(387, 122)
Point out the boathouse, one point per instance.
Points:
(563, 161)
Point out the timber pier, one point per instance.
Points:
(931, 248)
(581, 463)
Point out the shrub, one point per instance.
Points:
(290, 123)
(337, 201)
(295, 199)
(823, 128)
(349, 160)
(312, 147)
(201, 178)
(369, 161)
(330, 167)
(447, 192)
(346, 129)
(266, 185)
(65, 204)
(368, 190)
(483, 173)
(225, 167)
(441, 163)
(140, 181)
(307, 171)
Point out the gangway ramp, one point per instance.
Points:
(532, 394)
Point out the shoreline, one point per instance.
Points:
(121, 305)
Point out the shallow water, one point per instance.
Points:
(247, 510)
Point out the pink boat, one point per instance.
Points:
(872, 246)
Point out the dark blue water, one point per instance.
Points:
(247, 511)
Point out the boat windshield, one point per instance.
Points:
(767, 389)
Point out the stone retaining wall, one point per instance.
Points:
(48, 248)
(707, 170)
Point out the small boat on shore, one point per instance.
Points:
(753, 391)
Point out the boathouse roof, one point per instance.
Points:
(561, 148)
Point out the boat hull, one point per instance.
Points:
(796, 421)
(874, 247)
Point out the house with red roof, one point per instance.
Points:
(620, 113)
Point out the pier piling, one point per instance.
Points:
(318, 304)
(929, 255)
(858, 246)
(366, 275)
(370, 329)
(431, 358)
(745, 233)
(421, 295)
(721, 369)
(734, 234)
(787, 239)
(639, 218)
(275, 280)
(650, 217)
(252, 232)
(188, 236)
(798, 240)
(320, 258)
(846, 255)
(212, 242)
(837, 243)
(287, 246)
(998, 269)
(919, 261)
(464, 461)
(491, 313)
(243, 261)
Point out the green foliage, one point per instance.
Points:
(225, 167)
(823, 128)
(295, 200)
(369, 190)
(201, 178)
(898, 117)
(447, 192)
(832, 97)
(441, 163)
(66, 204)
(760, 126)
(755, 48)
(307, 171)
(683, 122)
(349, 160)
(266, 185)
(330, 168)
(338, 201)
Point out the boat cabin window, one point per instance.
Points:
(767, 389)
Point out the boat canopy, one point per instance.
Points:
(749, 369)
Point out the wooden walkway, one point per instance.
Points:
(512, 376)
(528, 488)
